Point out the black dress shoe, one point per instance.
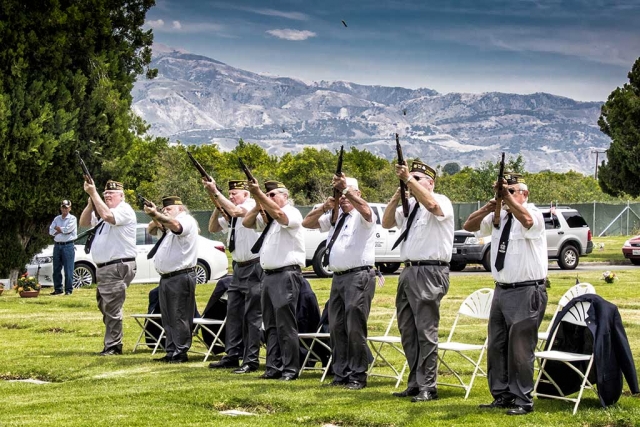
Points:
(288, 378)
(164, 359)
(245, 369)
(225, 364)
(179, 358)
(520, 410)
(425, 396)
(499, 402)
(56, 293)
(356, 385)
(111, 351)
(410, 391)
(271, 376)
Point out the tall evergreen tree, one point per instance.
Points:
(66, 73)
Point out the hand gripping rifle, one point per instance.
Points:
(143, 201)
(250, 178)
(496, 214)
(336, 193)
(91, 233)
(403, 186)
(207, 178)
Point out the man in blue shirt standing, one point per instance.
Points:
(64, 230)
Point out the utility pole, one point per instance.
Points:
(595, 175)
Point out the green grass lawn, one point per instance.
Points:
(611, 250)
(56, 339)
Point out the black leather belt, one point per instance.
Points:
(246, 263)
(175, 273)
(521, 284)
(64, 243)
(115, 261)
(281, 269)
(352, 270)
(426, 262)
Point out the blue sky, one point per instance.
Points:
(582, 49)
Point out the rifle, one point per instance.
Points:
(207, 178)
(265, 216)
(403, 186)
(143, 202)
(336, 193)
(496, 214)
(85, 173)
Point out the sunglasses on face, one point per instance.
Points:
(272, 194)
(513, 191)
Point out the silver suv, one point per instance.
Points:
(568, 238)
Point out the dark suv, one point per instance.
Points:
(568, 238)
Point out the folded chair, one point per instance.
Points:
(475, 306)
(576, 316)
(574, 291)
(393, 341)
(320, 339)
(211, 326)
(151, 324)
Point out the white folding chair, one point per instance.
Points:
(206, 325)
(475, 306)
(394, 342)
(574, 291)
(576, 315)
(144, 320)
(320, 338)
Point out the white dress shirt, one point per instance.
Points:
(68, 225)
(526, 257)
(115, 241)
(284, 244)
(245, 237)
(355, 245)
(430, 236)
(178, 251)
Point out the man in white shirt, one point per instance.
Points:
(350, 255)
(426, 243)
(176, 255)
(244, 316)
(64, 230)
(519, 266)
(114, 252)
(282, 256)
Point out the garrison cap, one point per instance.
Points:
(418, 166)
(114, 186)
(272, 185)
(513, 178)
(238, 184)
(171, 200)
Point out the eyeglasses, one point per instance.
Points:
(272, 194)
(110, 193)
(417, 178)
(513, 191)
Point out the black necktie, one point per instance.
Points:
(258, 244)
(232, 236)
(155, 247)
(504, 242)
(92, 235)
(405, 233)
(336, 232)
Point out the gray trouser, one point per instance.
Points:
(177, 299)
(113, 281)
(513, 334)
(280, 293)
(420, 289)
(244, 315)
(349, 306)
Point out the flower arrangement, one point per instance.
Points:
(609, 276)
(27, 283)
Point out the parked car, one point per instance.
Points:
(568, 238)
(212, 262)
(631, 250)
(387, 260)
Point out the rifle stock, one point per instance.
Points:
(496, 214)
(250, 178)
(403, 186)
(336, 193)
(207, 178)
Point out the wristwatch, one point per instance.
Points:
(345, 191)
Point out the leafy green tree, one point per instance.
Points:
(66, 74)
(620, 120)
(451, 168)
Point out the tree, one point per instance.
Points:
(451, 168)
(66, 74)
(620, 120)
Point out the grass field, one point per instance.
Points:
(56, 339)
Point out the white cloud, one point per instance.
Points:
(289, 34)
(298, 16)
(159, 26)
(159, 23)
(177, 25)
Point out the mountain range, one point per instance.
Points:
(198, 100)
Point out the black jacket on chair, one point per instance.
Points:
(606, 337)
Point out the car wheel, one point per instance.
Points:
(318, 268)
(83, 275)
(457, 266)
(202, 273)
(388, 267)
(568, 258)
(486, 259)
(635, 261)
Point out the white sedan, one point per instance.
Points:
(212, 262)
